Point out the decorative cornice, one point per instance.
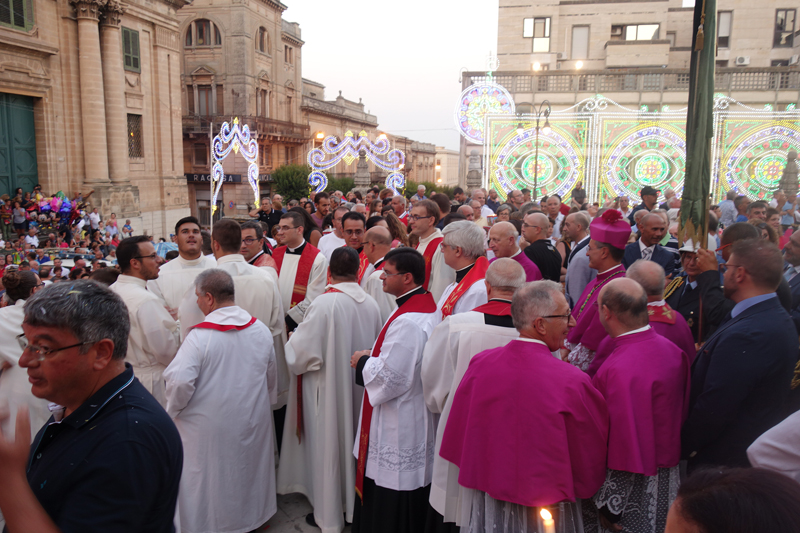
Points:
(112, 13)
(291, 39)
(88, 9)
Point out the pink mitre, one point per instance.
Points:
(611, 228)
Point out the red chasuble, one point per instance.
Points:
(428, 256)
(477, 273)
(419, 303)
(298, 295)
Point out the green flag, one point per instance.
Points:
(699, 125)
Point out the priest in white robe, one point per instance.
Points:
(464, 251)
(445, 360)
(378, 243)
(423, 219)
(316, 454)
(395, 445)
(219, 390)
(176, 277)
(153, 340)
(335, 239)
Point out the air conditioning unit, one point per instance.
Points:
(794, 59)
(561, 55)
(742, 61)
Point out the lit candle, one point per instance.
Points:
(549, 523)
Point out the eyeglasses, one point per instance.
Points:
(151, 256)
(567, 316)
(353, 232)
(249, 240)
(42, 353)
(417, 217)
(286, 228)
(386, 274)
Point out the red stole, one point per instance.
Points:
(419, 303)
(495, 307)
(478, 272)
(428, 255)
(225, 327)
(363, 263)
(303, 270)
(661, 313)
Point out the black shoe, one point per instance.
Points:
(310, 520)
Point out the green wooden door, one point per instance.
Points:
(17, 144)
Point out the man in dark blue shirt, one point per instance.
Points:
(110, 458)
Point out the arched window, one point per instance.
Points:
(202, 32)
(262, 40)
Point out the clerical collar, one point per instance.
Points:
(515, 254)
(499, 300)
(659, 303)
(460, 274)
(407, 296)
(379, 262)
(253, 260)
(296, 251)
(359, 250)
(640, 330)
(607, 271)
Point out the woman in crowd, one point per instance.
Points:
(503, 213)
(774, 219)
(375, 208)
(111, 225)
(309, 207)
(15, 390)
(396, 228)
(19, 218)
(312, 233)
(767, 232)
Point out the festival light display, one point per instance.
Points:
(483, 98)
(233, 139)
(348, 150)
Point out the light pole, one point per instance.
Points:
(541, 110)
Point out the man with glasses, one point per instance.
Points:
(253, 248)
(335, 239)
(515, 395)
(464, 251)
(741, 377)
(177, 276)
(540, 249)
(110, 458)
(353, 228)
(422, 221)
(154, 336)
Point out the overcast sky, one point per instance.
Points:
(402, 58)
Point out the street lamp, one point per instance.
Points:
(542, 110)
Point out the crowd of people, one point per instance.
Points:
(430, 364)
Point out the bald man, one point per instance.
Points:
(377, 243)
(652, 228)
(503, 242)
(447, 354)
(645, 382)
(479, 219)
(467, 211)
(540, 250)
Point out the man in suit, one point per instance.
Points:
(651, 230)
(791, 253)
(741, 376)
(579, 273)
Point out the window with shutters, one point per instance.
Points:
(784, 28)
(130, 50)
(204, 101)
(539, 30)
(135, 136)
(724, 29)
(16, 14)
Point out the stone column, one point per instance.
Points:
(196, 98)
(114, 90)
(93, 112)
(213, 105)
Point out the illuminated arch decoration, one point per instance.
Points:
(380, 153)
(480, 99)
(559, 165)
(645, 154)
(233, 139)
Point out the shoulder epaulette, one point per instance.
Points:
(674, 285)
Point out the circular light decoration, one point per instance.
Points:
(755, 164)
(477, 101)
(556, 170)
(651, 155)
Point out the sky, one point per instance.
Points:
(402, 58)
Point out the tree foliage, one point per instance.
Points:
(291, 181)
(430, 188)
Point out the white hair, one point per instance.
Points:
(505, 273)
(534, 300)
(467, 236)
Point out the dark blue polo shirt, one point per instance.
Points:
(114, 464)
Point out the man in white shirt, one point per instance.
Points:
(94, 219)
(176, 277)
(394, 447)
(378, 243)
(479, 195)
(32, 238)
(153, 340)
(445, 359)
(324, 401)
(335, 239)
(463, 251)
(423, 219)
(555, 214)
(219, 390)
(579, 273)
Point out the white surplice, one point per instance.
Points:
(402, 432)
(15, 389)
(177, 277)
(321, 466)
(445, 360)
(778, 449)
(328, 243)
(441, 274)
(373, 286)
(219, 390)
(473, 297)
(316, 283)
(257, 293)
(153, 340)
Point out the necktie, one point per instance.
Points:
(789, 273)
(647, 254)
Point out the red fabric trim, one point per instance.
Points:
(661, 313)
(363, 263)
(495, 308)
(303, 270)
(428, 256)
(224, 327)
(478, 272)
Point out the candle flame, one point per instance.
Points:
(546, 514)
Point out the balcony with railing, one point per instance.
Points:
(339, 111)
(197, 125)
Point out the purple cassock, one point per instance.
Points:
(527, 428)
(645, 382)
(666, 322)
(532, 272)
(588, 330)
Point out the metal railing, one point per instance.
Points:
(261, 125)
